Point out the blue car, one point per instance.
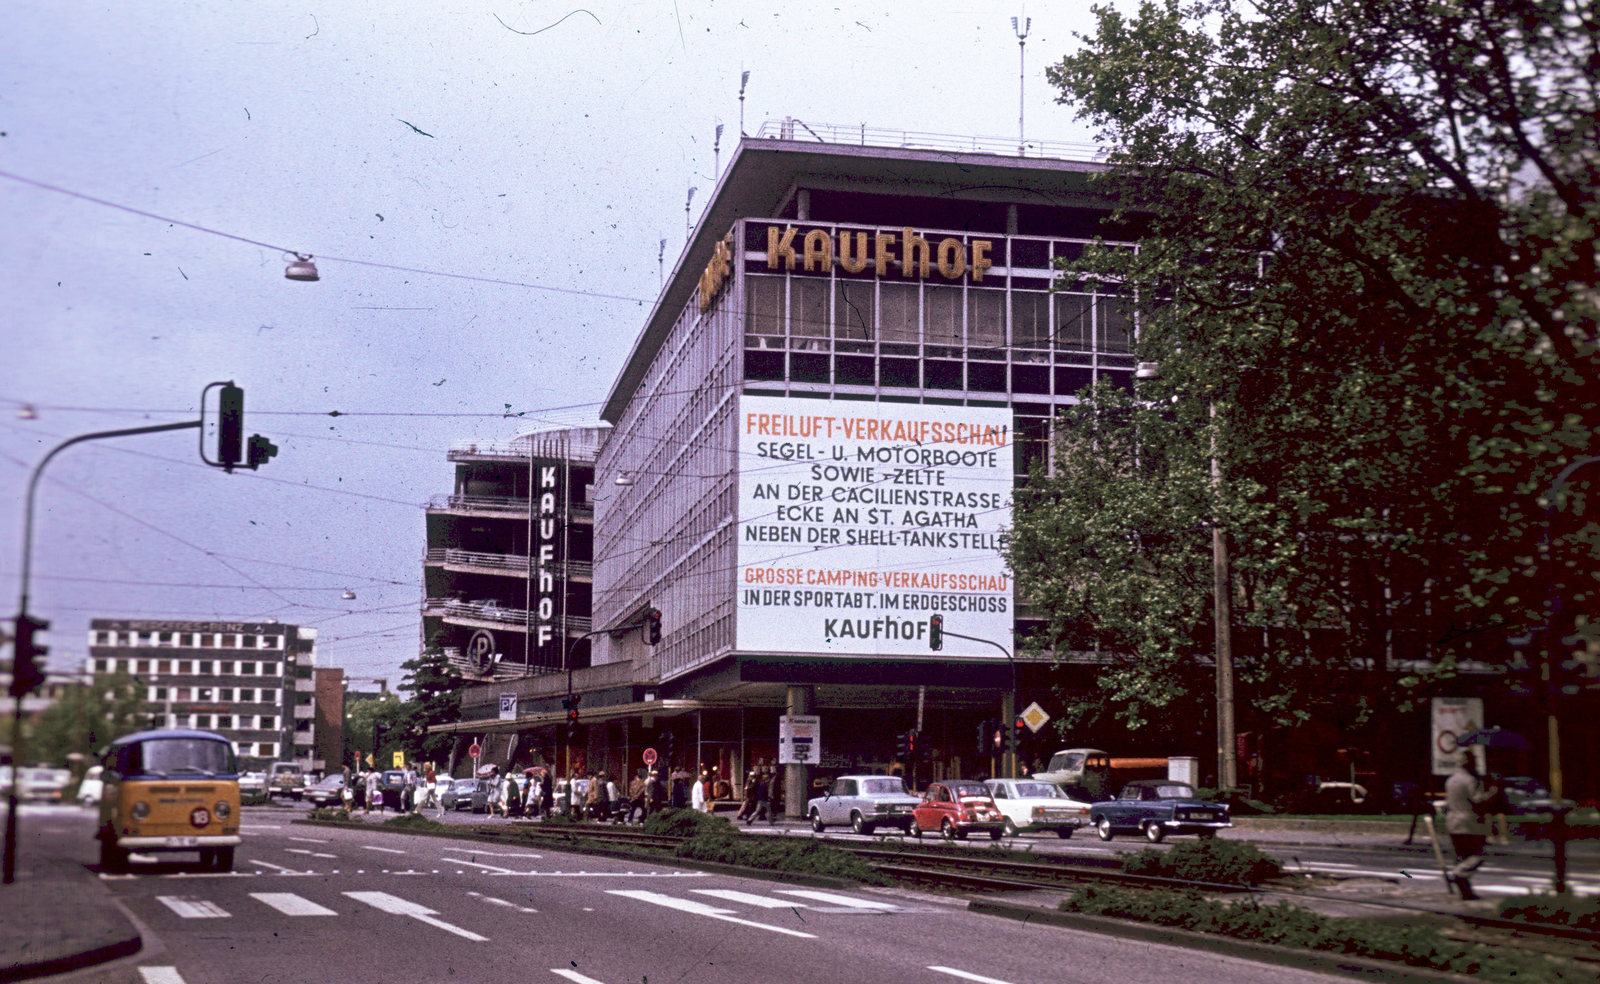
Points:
(1156, 808)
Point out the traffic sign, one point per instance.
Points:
(475, 751)
(649, 756)
(1034, 717)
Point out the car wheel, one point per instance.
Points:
(224, 859)
(947, 830)
(860, 826)
(1011, 829)
(1103, 829)
(1065, 833)
(1154, 832)
(915, 830)
(995, 835)
(113, 859)
(208, 858)
(816, 822)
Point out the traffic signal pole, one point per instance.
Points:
(25, 651)
(651, 634)
(1008, 703)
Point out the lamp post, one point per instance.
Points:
(1222, 612)
(1021, 26)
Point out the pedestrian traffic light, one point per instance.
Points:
(230, 426)
(27, 671)
(261, 451)
(651, 628)
(997, 739)
(936, 631)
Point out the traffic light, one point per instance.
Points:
(650, 631)
(1014, 740)
(261, 451)
(911, 745)
(985, 738)
(997, 740)
(27, 670)
(379, 730)
(902, 746)
(668, 746)
(230, 426)
(936, 631)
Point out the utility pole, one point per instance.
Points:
(1022, 29)
(1222, 616)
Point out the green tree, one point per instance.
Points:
(435, 689)
(384, 715)
(1366, 266)
(86, 719)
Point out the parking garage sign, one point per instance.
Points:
(858, 521)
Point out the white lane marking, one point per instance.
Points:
(262, 826)
(701, 909)
(161, 975)
(315, 854)
(309, 840)
(291, 904)
(193, 908)
(490, 854)
(763, 901)
(574, 976)
(969, 977)
(384, 902)
(491, 867)
(832, 899)
(269, 864)
(386, 850)
(501, 902)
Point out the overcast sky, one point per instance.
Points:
(493, 139)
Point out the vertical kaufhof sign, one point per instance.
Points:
(857, 521)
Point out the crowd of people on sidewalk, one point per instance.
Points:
(535, 793)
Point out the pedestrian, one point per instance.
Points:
(697, 797)
(547, 792)
(375, 790)
(747, 808)
(497, 794)
(408, 795)
(775, 793)
(763, 805)
(430, 790)
(655, 792)
(1465, 792)
(637, 802)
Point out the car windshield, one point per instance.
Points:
(1177, 790)
(173, 756)
(283, 769)
(1074, 761)
(969, 789)
(1038, 790)
(887, 786)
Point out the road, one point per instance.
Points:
(315, 904)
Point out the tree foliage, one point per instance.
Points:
(1369, 279)
(435, 688)
(86, 719)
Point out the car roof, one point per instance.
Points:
(166, 733)
(864, 776)
(1142, 783)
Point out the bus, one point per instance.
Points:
(170, 790)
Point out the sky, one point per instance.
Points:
(538, 144)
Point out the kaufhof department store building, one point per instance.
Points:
(815, 440)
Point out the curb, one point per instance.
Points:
(710, 867)
(74, 961)
(1318, 961)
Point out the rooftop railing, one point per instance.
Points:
(862, 135)
(522, 450)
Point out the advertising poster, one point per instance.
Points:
(799, 739)
(858, 521)
(1452, 718)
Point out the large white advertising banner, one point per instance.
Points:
(857, 521)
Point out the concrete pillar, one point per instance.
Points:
(797, 778)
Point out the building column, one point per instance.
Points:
(797, 778)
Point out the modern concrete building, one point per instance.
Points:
(250, 682)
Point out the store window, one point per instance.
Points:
(1115, 328)
(1074, 325)
(986, 320)
(808, 314)
(897, 320)
(942, 306)
(763, 309)
(1030, 320)
(853, 309)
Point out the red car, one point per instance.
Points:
(956, 808)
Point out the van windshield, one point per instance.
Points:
(167, 757)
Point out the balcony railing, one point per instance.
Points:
(516, 564)
(501, 503)
(522, 450)
(479, 611)
(862, 135)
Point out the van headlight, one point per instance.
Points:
(140, 810)
(222, 810)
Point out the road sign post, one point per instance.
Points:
(649, 756)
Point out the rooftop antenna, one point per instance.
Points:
(716, 153)
(744, 80)
(1022, 75)
(687, 227)
(661, 263)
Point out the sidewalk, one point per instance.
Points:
(56, 917)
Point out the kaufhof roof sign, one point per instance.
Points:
(857, 521)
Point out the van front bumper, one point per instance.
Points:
(178, 843)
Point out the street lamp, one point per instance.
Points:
(1022, 30)
(1222, 611)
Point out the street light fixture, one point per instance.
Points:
(301, 268)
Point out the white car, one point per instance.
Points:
(1031, 804)
(92, 787)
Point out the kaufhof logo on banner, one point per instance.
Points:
(858, 521)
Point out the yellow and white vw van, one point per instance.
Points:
(169, 791)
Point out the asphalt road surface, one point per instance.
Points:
(309, 904)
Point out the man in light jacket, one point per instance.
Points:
(1464, 794)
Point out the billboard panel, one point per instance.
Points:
(857, 521)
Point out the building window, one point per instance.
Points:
(248, 642)
(186, 639)
(102, 666)
(229, 640)
(158, 693)
(185, 666)
(269, 642)
(144, 666)
(225, 668)
(165, 638)
(269, 669)
(224, 721)
(180, 720)
(102, 639)
(205, 667)
(122, 665)
(247, 696)
(268, 722)
(207, 640)
(183, 693)
(202, 720)
(125, 638)
(147, 638)
(164, 666)
(266, 749)
(226, 693)
(247, 669)
(203, 693)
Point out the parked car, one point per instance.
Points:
(580, 789)
(956, 808)
(92, 787)
(286, 779)
(1156, 808)
(1031, 805)
(394, 788)
(458, 794)
(43, 785)
(865, 803)
(1086, 767)
(328, 791)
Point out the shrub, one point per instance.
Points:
(1286, 924)
(1559, 910)
(797, 854)
(1220, 862)
(686, 823)
(413, 821)
(330, 813)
